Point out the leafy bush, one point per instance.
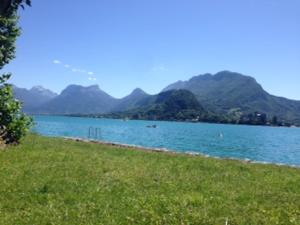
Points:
(13, 123)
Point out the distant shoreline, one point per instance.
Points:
(179, 121)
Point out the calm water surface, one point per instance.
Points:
(268, 144)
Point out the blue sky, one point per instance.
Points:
(121, 45)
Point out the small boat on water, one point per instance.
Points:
(152, 126)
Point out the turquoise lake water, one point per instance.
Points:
(265, 144)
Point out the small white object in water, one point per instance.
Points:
(221, 135)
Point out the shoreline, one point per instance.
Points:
(178, 121)
(174, 152)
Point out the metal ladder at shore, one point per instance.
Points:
(94, 133)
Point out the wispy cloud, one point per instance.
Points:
(159, 68)
(91, 75)
(55, 61)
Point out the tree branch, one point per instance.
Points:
(4, 5)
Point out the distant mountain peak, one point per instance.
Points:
(229, 75)
(169, 105)
(34, 97)
(94, 86)
(77, 99)
(77, 86)
(138, 91)
(208, 77)
(38, 88)
(226, 72)
(70, 86)
(133, 100)
(43, 91)
(226, 91)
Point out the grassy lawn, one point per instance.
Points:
(56, 181)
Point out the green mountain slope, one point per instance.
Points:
(131, 101)
(169, 105)
(227, 92)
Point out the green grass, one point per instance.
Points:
(56, 181)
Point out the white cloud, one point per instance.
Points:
(77, 70)
(56, 61)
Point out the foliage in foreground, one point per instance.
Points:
(54, 181)
(13, 123)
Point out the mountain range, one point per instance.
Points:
(33, 98)
(178, 105)
(225, 93)
(228, 92)
(76, 99)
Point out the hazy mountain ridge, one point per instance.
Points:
(78, 99)
(225, 93)
(34, 97)
(131, 101)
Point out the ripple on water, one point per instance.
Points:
(263, 144)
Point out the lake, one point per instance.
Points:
(258, 143)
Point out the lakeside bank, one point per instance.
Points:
(123, 146)
(57, 181)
